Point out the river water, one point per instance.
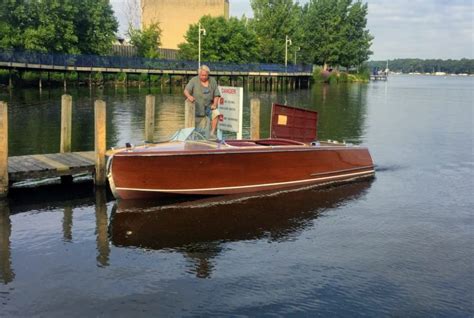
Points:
(399, 245)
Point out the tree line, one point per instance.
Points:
(58, 26)
(322, 32)
(426, 65)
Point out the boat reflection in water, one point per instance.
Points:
(198, 228)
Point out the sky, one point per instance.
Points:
(402, 28)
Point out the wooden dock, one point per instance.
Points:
(22, 168)
(272, 76)
(378, 77)
(65, 164)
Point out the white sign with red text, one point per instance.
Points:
(231, 106)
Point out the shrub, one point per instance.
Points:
(333, 78)
(318, 75)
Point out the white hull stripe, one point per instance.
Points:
(248, 186)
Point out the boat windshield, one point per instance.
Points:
(187, 134)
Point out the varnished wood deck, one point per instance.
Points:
(21, 168)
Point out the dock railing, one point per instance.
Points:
(9, 57)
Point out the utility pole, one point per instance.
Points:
(203, 32)
(296, 52)
(287, 43)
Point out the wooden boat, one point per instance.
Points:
(191, 165)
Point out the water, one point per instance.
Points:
(399, 245)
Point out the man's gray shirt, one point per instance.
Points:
(204, 95)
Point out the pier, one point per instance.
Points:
(44, 166)
(266, 76)
(378, 77)
(65, 164)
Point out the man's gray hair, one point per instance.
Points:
(204, 68)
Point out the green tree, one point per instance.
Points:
(356, 39)
(273, 21)
(63, 26)
(426, 66)
(226, 40)
(323, 24)
(15, 17)
(335, 33)
(52, 29)
(96, 26)
(147, 41)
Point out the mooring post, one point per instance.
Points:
(3, 149)
(255, 118)
(66, 123)
(189, 114)
(100, 142)
(149, 118)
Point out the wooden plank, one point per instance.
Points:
(150, 118)
(88, 155)
(79, 160)
(100, 142)
(16, 165)
(12, 168)
(255, 118)
(25, 166)
(66, 123)
(61, 159)
(72, 161)
(46, 166)
(27, 163)
(51, 162)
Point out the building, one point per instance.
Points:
(175, 16)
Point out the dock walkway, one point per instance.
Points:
(21, 168)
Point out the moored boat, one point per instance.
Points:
(190, 165)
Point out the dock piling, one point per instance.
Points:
(189, 114)
(66, 123)
(100, 142)
(149, 118)
(3, 149)
(255, 118)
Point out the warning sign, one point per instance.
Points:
(231, 107)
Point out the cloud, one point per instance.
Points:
(424, 29)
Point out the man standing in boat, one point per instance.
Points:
(203, 91)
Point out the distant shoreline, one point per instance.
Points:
(439, 74)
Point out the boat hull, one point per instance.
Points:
(153, 175)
